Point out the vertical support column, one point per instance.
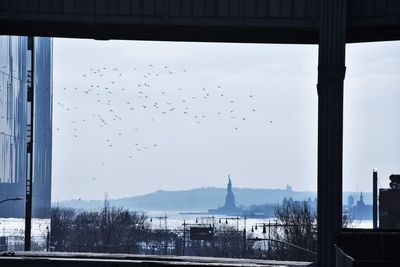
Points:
(331, 73)
(375, 199)
(30, 146)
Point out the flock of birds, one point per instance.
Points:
(117, 98)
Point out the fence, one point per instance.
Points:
(276, 241)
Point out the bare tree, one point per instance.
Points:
(112, 230)
(297, 227)
(61, 227)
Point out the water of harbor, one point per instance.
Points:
(175, 220)
(12, 229)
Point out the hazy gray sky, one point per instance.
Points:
(371, 114)
(135, 117)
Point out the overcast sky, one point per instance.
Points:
(135, 117)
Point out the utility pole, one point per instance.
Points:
(30, 143)
(184, 238)
(166, 234)
(375, 199)
(47, 239)
(269, 237)
(244, 240)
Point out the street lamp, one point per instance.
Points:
(11, 199)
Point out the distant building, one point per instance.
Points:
(288, 188)
(361, 203)
(360, 211)
(230, 206)
(14, 119)
(350, 201)
(312, 204)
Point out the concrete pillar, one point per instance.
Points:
(331, 73)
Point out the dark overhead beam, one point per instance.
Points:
(243, 21)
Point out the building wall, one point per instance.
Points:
(43, 127)
(389, 210)
(14, 115)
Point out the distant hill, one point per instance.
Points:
(200, 199)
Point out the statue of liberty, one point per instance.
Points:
(230, 198)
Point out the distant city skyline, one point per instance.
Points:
(136, 117)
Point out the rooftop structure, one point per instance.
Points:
(389, 209)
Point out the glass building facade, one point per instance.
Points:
(15, 116)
